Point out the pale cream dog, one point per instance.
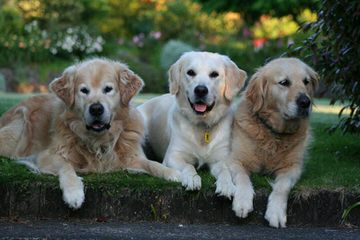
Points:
(192, 124)
(86, 125)
(271, 132)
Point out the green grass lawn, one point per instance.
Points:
(333, 160)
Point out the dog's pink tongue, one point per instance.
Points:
(200, 107)
(97, 126)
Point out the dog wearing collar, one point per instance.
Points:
(271, 133)
(192, 125)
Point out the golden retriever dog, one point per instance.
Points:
(85, 125)
(271, 133)
(192, 124)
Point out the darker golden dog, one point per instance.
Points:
(271, 133)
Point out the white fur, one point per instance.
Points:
(72, 187)
(224, 183)
(244, 194)
(176, 133)
(187, 149)
(292, 109)
(277, 203)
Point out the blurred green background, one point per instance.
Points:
(39, 38)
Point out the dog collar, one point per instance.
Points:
(274, 132)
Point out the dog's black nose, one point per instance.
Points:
(201, 91)
(303, 101)
(96, 109)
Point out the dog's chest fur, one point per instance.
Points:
(90, 152)
(202, 142)
(267, 151)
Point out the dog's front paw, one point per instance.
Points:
(225, 187)
(191, 182)
(243, 203)
(173, 175)
(276, 214)
(74, 196)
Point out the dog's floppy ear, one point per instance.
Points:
(314, 79)
(234, 79)
(256, 90)
(174, 77)
(129, 83)
(64, 86)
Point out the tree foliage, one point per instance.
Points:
(252, 10)
(334, 48)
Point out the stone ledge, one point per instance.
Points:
(173, 205)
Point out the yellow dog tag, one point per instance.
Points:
(207, 137)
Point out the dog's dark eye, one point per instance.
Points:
(84, 90)
(214, 74)
(191, 73)
(306, 81)
(285, 82)
(107, 89)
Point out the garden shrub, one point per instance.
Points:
(251, 11)
(185, 20)
(334, 49)
(10, 20)
(172, 51)
(137, 18)
(36, 44)
(152, 76)
(36, 31)
(177, 18)
(248, 58)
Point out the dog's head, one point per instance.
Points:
(205, 84)
(284, 85)
(95, 90)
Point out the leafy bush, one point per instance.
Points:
(177, 18)
(252, 10)
(185, 20)
(36, 44)
(27, 44)
(334, 49)
(172, 51)
(10, 20)
(127, 18)
(152, 75)
(248, 58)
(56, 14)
(273, 28)
(76, 41)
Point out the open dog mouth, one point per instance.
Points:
(200, 107)
(98, 126)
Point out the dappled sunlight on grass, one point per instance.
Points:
(323, 112)
(323, 106)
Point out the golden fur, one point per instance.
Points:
(54, 127)
(270, 135)
(23, 129)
